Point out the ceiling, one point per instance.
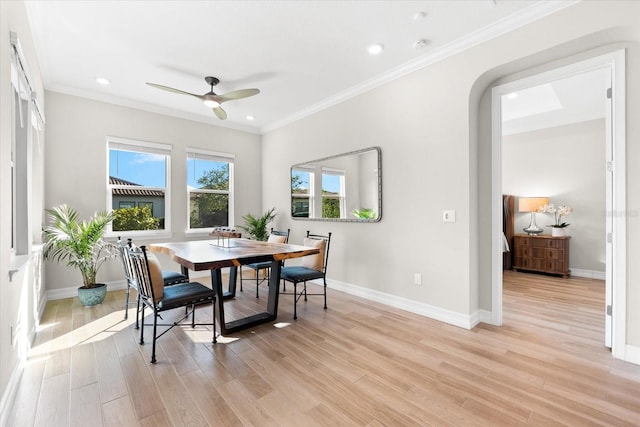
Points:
(574, 99)
(303, 55)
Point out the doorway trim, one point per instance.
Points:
(615, 61)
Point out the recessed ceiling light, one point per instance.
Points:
(375, 49)
(512, 95)
(250, 117)
(102, 81)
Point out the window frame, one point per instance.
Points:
(194, 153)
(145, 147)
(310, 196)
(341, 197)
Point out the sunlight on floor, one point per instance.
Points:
(95, 331)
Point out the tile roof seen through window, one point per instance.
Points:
(140, 191)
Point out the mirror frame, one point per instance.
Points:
(364, 150)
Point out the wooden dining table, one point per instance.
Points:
(201, 255)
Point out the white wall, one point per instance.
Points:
(436, 155)
(21, 296)
(77, 165)
(566, 164)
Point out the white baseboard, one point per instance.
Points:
(9, 394)
(588, 274)
(73, 291)
(426, 310)
(632, 354)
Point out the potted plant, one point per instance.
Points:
(559, 227)
(256, 228)
(80, 244)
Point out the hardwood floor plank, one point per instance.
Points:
(210, 402)
(120, 413)
(111, 379)
(359, 363)
(83, 366)
(143, 392)
(85, 408)
(176, 400)
(246, 408)
(53, 402)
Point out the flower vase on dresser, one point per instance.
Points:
(559, 231)
(559, 227)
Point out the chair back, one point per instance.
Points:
(126, 261)
(281, 233)
(142, 274)
(327, 240)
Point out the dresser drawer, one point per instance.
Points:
(543, 254)
(548, 243)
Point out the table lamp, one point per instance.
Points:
(531, 204)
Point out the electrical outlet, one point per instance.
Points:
(417, 279)
(448, 216)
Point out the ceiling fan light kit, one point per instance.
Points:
(211, 99)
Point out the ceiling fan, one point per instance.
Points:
(211, 99)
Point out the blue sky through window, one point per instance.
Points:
(331, 183)
(196, 168)
(144, 169)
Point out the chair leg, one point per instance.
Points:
(241, 278)
(137, 310)
(325, 293)
(213, 304)
(295, 301)
(126, 303)
(305, 290)
(257, 282)
(153, 346)
(142, 329)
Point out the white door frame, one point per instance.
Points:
(615, 61)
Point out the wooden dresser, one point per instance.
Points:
(541, 253)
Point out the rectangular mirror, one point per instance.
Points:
(345, 187)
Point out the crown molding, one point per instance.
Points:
(510, 23)
(123, 102)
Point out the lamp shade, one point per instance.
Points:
(531, 204)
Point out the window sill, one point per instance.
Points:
(142, 235)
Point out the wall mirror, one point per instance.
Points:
(345, 187)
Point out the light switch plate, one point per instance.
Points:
(448, 216)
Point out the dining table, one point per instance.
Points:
(199, 255)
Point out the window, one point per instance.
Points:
(138, 185)
(333, 190)
(27, 121)
(301, 193)
(210, 189)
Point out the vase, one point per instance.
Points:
(92, 296)
(559, 231)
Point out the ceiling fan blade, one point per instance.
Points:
(238, 94)
(170, 89)
(222, 115)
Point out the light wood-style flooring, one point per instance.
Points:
(357, 364)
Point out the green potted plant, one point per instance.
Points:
(256, 227)
(80, 244)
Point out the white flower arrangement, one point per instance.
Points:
(558, 213)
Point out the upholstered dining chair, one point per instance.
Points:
(169, 278)
(313, 267)
(158, 298)
(275, 236)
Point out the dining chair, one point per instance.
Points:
(168, 277)
(275, 236)
(158, 298)
(313, 267)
